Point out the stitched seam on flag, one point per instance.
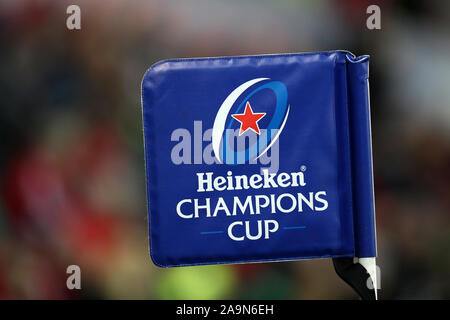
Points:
(257, 260)
(259, 57)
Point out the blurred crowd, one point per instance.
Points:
(72, 186)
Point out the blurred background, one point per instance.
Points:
(72, 186)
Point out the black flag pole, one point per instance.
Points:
(356, 276)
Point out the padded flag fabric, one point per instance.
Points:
(258, 158)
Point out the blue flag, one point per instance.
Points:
(258, 158)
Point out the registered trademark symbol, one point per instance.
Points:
(303, 168)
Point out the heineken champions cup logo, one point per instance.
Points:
(248, 144)
(260, 140)
(242, 133)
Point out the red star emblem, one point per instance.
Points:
(248, 119)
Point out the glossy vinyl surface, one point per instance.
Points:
(325, 135)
